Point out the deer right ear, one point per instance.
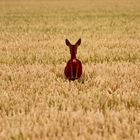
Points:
(67, 42)
(78, 42)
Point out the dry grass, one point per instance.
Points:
(37, 102)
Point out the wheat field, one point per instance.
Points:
(37, 102)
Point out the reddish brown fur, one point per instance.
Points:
(73, 69)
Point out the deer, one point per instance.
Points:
(73, 69)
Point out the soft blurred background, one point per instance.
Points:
(37, 102)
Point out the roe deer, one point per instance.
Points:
(73, 69)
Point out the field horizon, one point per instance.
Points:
(37, 102)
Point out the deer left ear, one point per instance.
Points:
(67, 42)
(78, 42)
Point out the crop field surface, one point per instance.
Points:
(37, 102)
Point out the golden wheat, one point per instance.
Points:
(37, 102)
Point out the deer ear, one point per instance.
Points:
(67, 42)
(78, 42)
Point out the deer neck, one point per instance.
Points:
(73, 52)
(73, 56)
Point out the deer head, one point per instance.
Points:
(73, 48)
